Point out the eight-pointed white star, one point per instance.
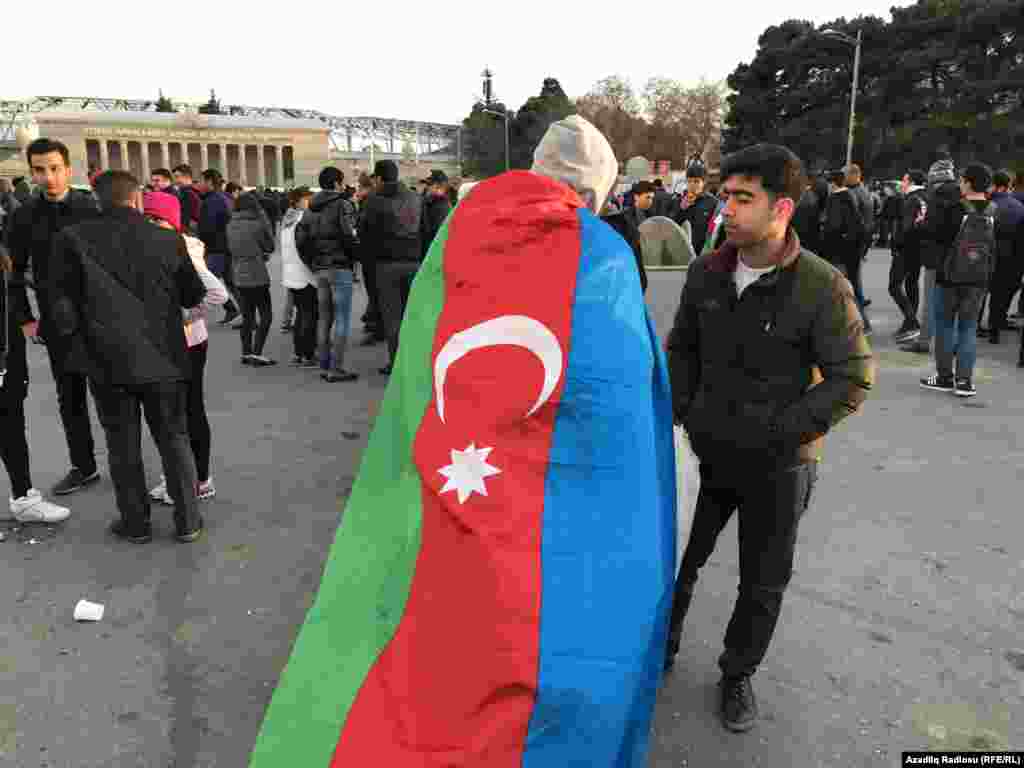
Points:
(467, 471)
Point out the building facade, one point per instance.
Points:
(265, 152)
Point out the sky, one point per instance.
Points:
(417, 61)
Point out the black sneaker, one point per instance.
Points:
(187, 537)
(75, 480)
(738, 706)
(228, 318)
(938, 383)
(120, 530)
(964, 388)
(918, 347)
(333, 377)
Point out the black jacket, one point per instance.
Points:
(843, 230)
(909, 225)
(742, 369)
(391, 224)
(214, 214)
(331, 223)
(435, 211)
(865, 205)
(663, 204)
(699, 215)
(626, 226)
(941, 224)
(30, 239)
(13, 358)
(117, 291)
(807, 221)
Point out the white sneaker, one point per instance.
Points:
(160, 493)
(33, 508)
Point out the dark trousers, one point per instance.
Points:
(73, 403)
(165, 408)
(372, 315)
(1005, 282)
(14, 444)
(393, 281)
(256, 299)
(770, 507)
(198, 423)
(304, 330)
(904, 276)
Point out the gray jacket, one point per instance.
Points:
(251, 242)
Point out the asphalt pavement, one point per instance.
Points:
(903, 627)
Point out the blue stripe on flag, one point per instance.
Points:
(608, 541)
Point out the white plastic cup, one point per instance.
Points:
(86, 611)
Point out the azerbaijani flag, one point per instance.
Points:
(498, 591)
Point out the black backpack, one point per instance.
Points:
(972, 257)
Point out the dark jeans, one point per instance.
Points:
(851, 267)
(165, 408)
(956, 329)
(14, 444)
(198, 423)
(904, 277)
(370, 283)
(73, 403)
(393, 281)
(770, 507)
(255, 299)
(304, 330)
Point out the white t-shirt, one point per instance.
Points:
(746, 275)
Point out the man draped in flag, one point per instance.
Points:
(499, 589)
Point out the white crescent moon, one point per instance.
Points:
(517, 330)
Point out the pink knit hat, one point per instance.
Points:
(163, 206)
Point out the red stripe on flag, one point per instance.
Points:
(457, 684)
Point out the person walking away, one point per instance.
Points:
(1009, 254)
(961, 280)
(250, 243)
(807, 220)
(760, 321)
(905, 269)
(842, 229)
(892, 210)
(298, 280)
(117, 292)
(865, 205)
(392, 234)
(160, 209)
(33, 229)
(697, 206)
(330, 226)
(26, 504)
(371, 319)
(436, 207)
(212, 229)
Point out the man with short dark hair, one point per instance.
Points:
(643, 203)
(697, 206)
(865, 205)
(767, 353)
(958, 301)
(330, 223)
(436, 207)
(32, 231)
(117, 292)
(214, 214)
(391, 231)
(1009, 253)
(190, 196)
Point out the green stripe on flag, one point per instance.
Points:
(369, 570)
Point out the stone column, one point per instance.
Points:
(165, 155)
(243, 167)
(204, 157)
(125, 164)
(104, 156)
(144, 151)
(261, 164)
(279, 157)
(224, 161)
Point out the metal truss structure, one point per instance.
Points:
(389, 135)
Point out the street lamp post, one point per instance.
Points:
(505, 116)
(836, 34)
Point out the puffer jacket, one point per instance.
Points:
(331, 222)
(251, 242)
(757, 381)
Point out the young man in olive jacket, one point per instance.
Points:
(767, 353)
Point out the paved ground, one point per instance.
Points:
(902, 628)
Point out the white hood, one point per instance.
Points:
(575, 153)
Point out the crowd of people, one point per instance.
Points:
(212, 242)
